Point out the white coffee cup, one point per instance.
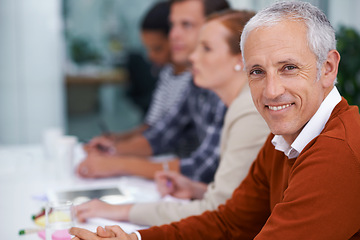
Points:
(50, 138)
(65, 154)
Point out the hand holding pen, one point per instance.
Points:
(101, 144)
(104, 143)
(180, 186)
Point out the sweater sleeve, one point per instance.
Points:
(241, 217)
(240, 149)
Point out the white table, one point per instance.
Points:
(26, 177)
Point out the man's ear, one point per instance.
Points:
(330, 68)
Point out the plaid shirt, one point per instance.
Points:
(169, 90)
(202, 111)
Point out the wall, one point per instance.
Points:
(103, 23)
(344, 12)
(31, 87)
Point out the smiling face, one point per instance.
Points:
(186, 19)
(282, 77)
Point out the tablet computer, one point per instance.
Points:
(111, 195)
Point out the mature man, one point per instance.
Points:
(305, 182)
(200, 111)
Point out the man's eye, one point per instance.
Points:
(157, 48)
(206, 48)
(289, 67)
(187, 25)
(256, 72)
(289, 70)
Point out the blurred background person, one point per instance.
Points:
(172, 78)
(200, 113)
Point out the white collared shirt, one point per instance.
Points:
(137, 235)
(312, 129)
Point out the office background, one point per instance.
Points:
(71, 64)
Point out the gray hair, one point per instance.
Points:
(320, 33)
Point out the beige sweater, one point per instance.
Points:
(243, 134)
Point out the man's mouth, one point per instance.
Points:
(280, 107)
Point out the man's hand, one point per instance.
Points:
(110, 232)
(103, 144)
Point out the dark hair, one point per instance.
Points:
(210, 6)
(234, 21)
(157, 18)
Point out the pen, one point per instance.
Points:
(100, 147)
(166, 168)
(41, 213)
(29, 230)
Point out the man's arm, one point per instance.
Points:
(107, 143)
(318, 200)
(133, 162)
(130, 134)
(99, 165)
(241, 217)
(137, 146)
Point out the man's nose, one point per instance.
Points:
(274, 86)
(174, 32)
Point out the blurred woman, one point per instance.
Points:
(218, 66)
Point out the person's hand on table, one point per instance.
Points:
(174, 184)
(110, 232)
(97, 208)
(105, 144)
(97, 165)
(177, 185)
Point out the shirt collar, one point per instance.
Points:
(312, 129)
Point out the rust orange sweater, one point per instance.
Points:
(315, 196)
